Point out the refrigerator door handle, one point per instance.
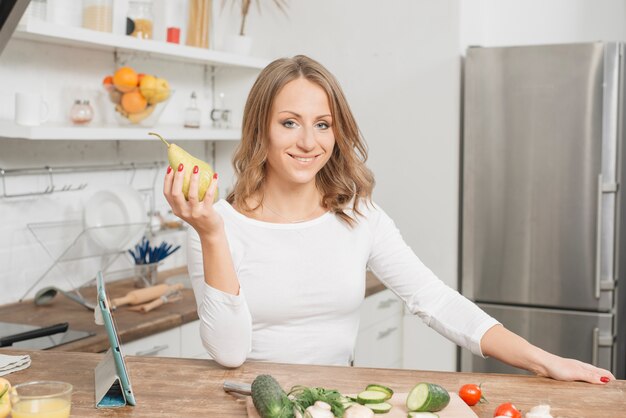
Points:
(599, 283)
(599, 341)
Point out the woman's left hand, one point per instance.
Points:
(568, 369)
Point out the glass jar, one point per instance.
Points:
(98, 15)
(140, 19)
(81, 112)
(192, 113)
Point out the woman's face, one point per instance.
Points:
(301, 138)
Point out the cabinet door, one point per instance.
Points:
(424, 349)
(379, 341)
(190, 341)
(163, 344)
(379, 307)
(379, 345)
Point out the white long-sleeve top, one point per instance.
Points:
(302, 286)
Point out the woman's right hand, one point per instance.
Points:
(199, 214)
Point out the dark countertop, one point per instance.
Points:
(131, 325)
(173, 387)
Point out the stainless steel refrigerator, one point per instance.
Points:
(542, 209)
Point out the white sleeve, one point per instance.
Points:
(439, 306)
(225, 321)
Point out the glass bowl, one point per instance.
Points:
(139, 107)
(49, 399)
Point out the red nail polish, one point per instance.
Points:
(169, 169)
(180, 167)
(195, 169)
(214, 176)
(604, 379)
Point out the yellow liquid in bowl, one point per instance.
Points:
(41, 408)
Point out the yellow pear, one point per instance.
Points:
(148, 87)
(176, 155)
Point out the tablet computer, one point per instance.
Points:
(124, 388)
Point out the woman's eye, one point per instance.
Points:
(289, 124)
(323, 125)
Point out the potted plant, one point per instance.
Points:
(242, 43)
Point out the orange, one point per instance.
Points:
(125, 79)
(108, 83)
(133, 102)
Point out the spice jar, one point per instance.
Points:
(140, 19)
(81, 112)
(98, 15)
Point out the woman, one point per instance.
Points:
(278, 268)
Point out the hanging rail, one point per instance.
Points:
(51, 171)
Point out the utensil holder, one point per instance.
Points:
(146, 274)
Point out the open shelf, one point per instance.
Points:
(59, 131)
(85, 38)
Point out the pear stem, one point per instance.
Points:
(160, 137)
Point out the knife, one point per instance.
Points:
(237, 387)
(35, 333)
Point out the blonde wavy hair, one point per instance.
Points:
(344, 179)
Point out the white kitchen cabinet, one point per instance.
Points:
(190, 341)
(163, 344)
(424, 349)
(379, 341)
(182, 341)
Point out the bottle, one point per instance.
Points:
(192, 113)
(98, 15)
(140, 19)
(81, 112)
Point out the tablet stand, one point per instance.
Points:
(109, 392)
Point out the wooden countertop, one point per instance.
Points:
(168, 387)
(131, 325)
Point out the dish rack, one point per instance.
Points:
(81, 246)
(69, 243)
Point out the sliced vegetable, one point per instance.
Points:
(471, 394)
(422, 415)
(371, 396)
(269, 399)
(380, 388)
(507, 409)
(427, 397)
(379, 408)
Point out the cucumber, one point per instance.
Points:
(422, 415)
(269, 399)
(381, 388)
(379, 408)
(427, 397)
(371, 396)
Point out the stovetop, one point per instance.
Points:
(40, 343)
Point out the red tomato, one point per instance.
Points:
(470, 393)
(507, 409)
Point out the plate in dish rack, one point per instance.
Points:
(455, 409)
(114, 216)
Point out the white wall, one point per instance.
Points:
(515, 22)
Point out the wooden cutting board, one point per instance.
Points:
(455, 409)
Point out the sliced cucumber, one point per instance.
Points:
(379, 408)
(371, 396)
(422, 415)
(381, 388)
(427, 397)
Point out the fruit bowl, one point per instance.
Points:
(138, 99)
(147, 116)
